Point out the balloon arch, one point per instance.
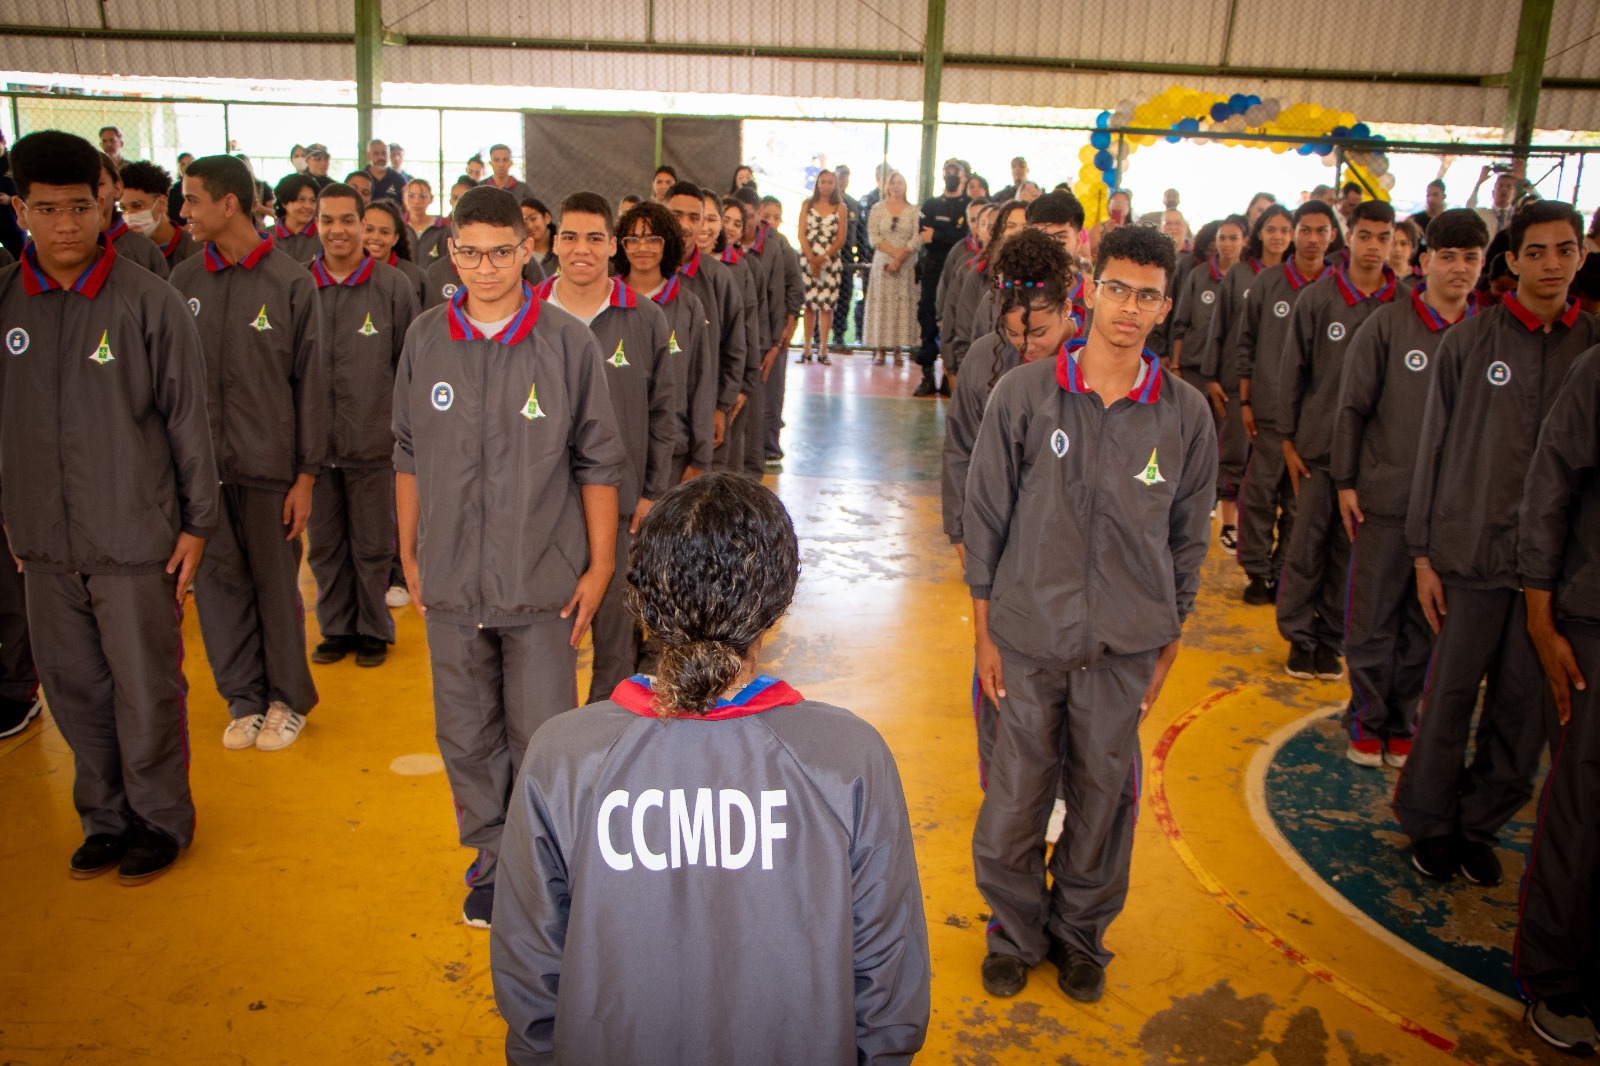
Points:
(1188, 112)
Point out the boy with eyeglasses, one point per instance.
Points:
(507, 461)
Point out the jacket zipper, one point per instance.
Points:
(1094, 510)
(61, 459)
(224, 364)
(483, 497)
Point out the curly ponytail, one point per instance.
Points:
(1031, 271)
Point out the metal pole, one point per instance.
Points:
(369, 70)
(1577, 182)
(885, 169)
(932, 79)
(227, 133)
(16, 121)
(658, 140)
(444, 191)
(1527, 74)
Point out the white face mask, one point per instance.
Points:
(299, 164)
(141, 221)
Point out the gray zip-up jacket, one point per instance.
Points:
(689, 342)
(1558, 541)
(414, 274)
(794, 280)
(500, 433)
(767, 252)
(265, 374)
(955, 264)
(968, 289)
(105, 449)
(645, 382)
(1498, 373)
(1085, 525)
(718, 292)
(1191, 314)
(1216, 360)
(1326, 317)
(302, 247)
(135, 247)
(364, 323)
(743, 272)
(1258, 344)
(442, 280)
(986, 361)
(1387, 372)
(738, 888)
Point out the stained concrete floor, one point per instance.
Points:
(317, 917)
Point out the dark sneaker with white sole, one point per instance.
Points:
(1228, 540)
(478, 911)
(16, 714)
(1564, 1022)
(1004, 975)
(1260, 592)
(1479, 863)
(151, 853)
(1302, 663)
(1329, 666)
(96, 855)
(1436, 858)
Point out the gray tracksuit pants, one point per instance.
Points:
(492, 690)
(18, 678)
(1311, 591)
(755, 450)
(251, 614)
(353, 551)
(772, 402)
(1558, 937)
(1079, 729)
(615, 633)
(1266, 506)
(1485, 633)
(110, 657)
(1387, 639)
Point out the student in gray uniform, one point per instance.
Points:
(501, 176)
(1317, 562)
(144, 210)
(428, 232)
(1028, 268)
(714, 243)
(19, 679)
(647, 262)
(295, 199)
(386, 239)
(1557, 954)
(268, 397)
(957, 261)
(1266, 497)
(109, 536)
(132, 247)
(507, 461)
(1101, 420)
(1387, 372)
(967, 287)
(774, 367)
(761, 251)
(644, 381)
(768, 833)
(718, 291)
(367, 307)
(443, 281)
(1497, 376)
(1058, 215)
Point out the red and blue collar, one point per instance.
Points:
(972, 245)
(761, 238)
(1298, 280)
(1212, 264)
(691, 266)
(1353, 295)
(89, 283)
(1069, 375)
(762, 694)
(669, 291)
(118, 227)
(394, 257)
(731, 255)
(979, 263)
(215, 260)
(1432, 318)
(309, 231)
(323, 277)
(511, 183)
(515, 331)
(172, 245)
(1533, 321)
(1256, 265)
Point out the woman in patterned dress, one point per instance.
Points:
(822, 233)
(891, 314)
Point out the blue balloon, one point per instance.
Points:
(1102, 120)
(1324, 149)
(1100, 139)
(1361, 129)
(1252, 101)
(1219, 112)
(1190, 124)
(1340, 131)
(1109, 176)
(1104, 160)
(1174, 139)
(1306, 149)
(1237, 103)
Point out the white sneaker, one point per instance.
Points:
(242, 732)
(397, 596)
(281, 728)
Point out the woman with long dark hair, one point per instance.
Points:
(823, 224)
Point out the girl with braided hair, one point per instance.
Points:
(687, 861)
(1030, 277)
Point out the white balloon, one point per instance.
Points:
(1379, 164)
(1125, 105)
(1329, 160)
(1255, 115)
(1386, 182)
(1272, 107)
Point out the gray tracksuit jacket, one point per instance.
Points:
(364, 323)
(751, 290)
(1558, 540)
(105, 449)
(718, 292)
(1191, 314)
(135, 247)
(1085, 525)
(1387, 372)
(302, 247)
(1325, 318)
(735, 889)
(265, 375)
(1497, 375)
(500, 433)
(1216, 348)
(1258, 343)
(443, 280)
(689, 341)
(986, 361)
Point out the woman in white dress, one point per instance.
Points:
(891, 316)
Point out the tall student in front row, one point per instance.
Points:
(764, 906)
(1557, 953)
(507, 460)
(644, 378)
(1387, 372)
(1078, 610)
(259, 329)
(1498, 374)
(367, 306)
(711, 281)
(109, 490)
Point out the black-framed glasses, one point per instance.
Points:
(1118, 293)
(469, 258)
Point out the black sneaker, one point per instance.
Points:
(1436, 858)
(96, 855)
(16, 714)
(371, 652)
(927, 386)
(333, 649)
(479, 908)
(1329, 666)
(1077, 974)
(1229, 539)
(1004, 975)
(1563, 1021)
(1260, 592)
(150, 854)
(1480, 864)
(1302, 662)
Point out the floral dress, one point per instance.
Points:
(822, 292)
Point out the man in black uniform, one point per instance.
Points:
(100, 350)
(850, 254)
(387, 182)
(944, 225)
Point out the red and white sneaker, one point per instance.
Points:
(1366, 752)
(1396, 750)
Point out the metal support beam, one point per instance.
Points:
(932, 80)
(369, 68)
(1527, 72)
(658, 141)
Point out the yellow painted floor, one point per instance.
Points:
(317, 917)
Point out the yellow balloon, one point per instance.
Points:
(1086, 154)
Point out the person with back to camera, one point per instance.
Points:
(797, 937)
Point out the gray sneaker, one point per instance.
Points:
(1564, 1022)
